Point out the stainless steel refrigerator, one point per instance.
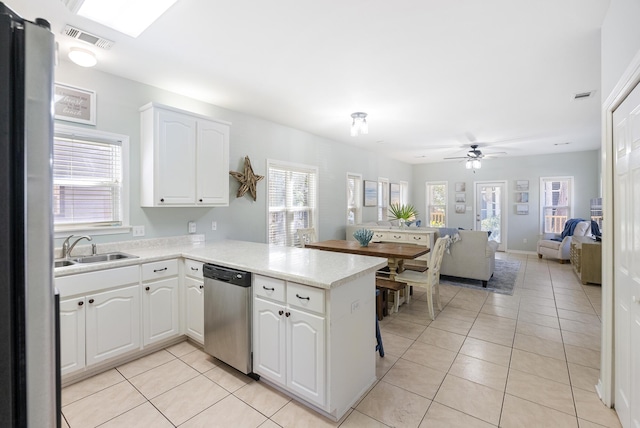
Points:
(28, 347)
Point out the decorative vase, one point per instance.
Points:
(363, 236)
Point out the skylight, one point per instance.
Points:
(130, 17)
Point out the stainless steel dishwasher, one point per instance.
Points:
(227, 316)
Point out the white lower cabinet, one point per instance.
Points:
(289, 343)
(160, 301)
(112, 323)
(194, 300)
(305, 337)
(96, 325)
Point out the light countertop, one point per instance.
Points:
(317, 268)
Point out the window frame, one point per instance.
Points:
(358, 198)
(404, 192)
(428, 199)
(382, 204)
(292, 167)
(62, 231)
(570, 206)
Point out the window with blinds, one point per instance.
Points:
(556, 194)
(292, 201)
(87, 179)
(383, 198)
(354, 198)
(436, 196)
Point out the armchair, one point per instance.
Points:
(560, 249)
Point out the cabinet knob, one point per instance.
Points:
(91, 300)
(199, 200)
(146, 288)
(161, 199)
(80, 303)
(287, 314)
(201, 287)
(280, 312)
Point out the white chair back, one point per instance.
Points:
(306, 236)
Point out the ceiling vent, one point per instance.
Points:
(583, 95)
(92, 39)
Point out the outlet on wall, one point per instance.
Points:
(138, 230)
(214, 225)
(192, 227)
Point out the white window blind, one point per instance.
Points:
(354, 198)
(87, 181)
(556, 202)
(292, 201)
(436, 203)
(383, 198)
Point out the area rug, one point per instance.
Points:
(503, 280)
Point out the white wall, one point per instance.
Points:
(583, 166)
(118, 101)
(620, 41)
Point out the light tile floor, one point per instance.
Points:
(527, 360)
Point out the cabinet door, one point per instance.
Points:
(112, 323)
(306, 355)
(194, 309)
(72, 332)
(212, 164)
(160, 310)
(269, 340)
(175, 172)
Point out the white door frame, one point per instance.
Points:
(630, 78)
(505, 217)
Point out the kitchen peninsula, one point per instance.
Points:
(313, 312)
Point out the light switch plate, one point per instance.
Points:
(214, 225)
(138, 230)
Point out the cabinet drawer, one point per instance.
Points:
(419, 239)
(91, 282)
(305, 297)
(268, 287)
(379, 236)
(193, 268)
(162, 269)
(396, 237)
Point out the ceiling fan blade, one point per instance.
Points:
(458, 157)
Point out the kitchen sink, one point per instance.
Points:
(107, 257)
(96, 258)
(62, 263)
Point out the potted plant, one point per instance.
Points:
(406, 214)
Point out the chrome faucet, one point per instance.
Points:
(66, 248)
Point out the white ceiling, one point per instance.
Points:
(433, 76)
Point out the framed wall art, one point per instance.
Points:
(522, 209)
(522, 197)
(370, 193)
(522, 185)
(461, 208)
(461, 186)
(73, 104)
(461, 197)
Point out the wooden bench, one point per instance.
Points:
(386, 285)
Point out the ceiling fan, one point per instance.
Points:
(475, 154)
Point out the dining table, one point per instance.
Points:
(395, 253)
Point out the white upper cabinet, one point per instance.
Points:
(184, 159)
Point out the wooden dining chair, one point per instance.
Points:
(430, 279)
(306, 236)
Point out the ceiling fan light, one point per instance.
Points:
(477, 164)
(468, 164)
(359, 124)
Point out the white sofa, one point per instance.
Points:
(560, 249)
(473, 256)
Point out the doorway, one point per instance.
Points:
(490, 205)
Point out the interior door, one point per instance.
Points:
(490, 205)
(626, 145)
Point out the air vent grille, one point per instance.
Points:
(583, 95)
(86, 37)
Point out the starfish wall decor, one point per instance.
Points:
(248, 180)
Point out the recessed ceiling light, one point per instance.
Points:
(83, 57)
(130, 17)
